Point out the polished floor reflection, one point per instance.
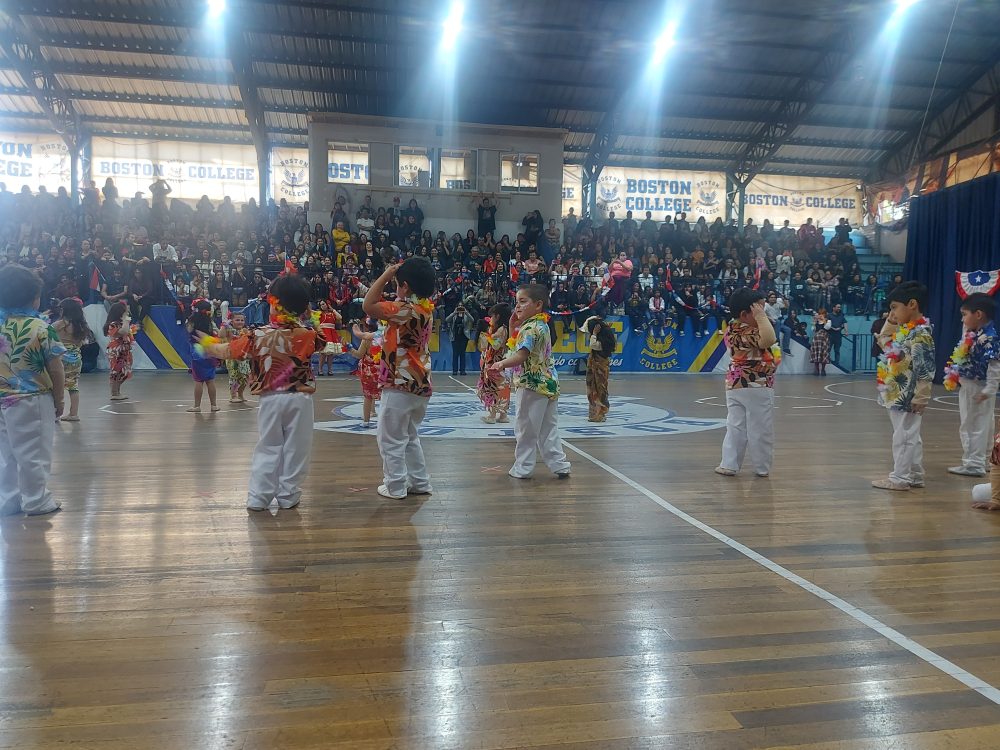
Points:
(154, 612)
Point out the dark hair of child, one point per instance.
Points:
(115, 315)
(201, 317)
(499, 316)
(979, 302)
(742, 300)
(418, 273)
(293, 293)
(909, 290)
(536, 293)
(19, 287)
(71, 311)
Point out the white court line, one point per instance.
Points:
(939, 662)
(935, 660)
(828, 388)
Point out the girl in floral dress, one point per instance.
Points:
(369, 355)
(493, 390)
(118, 329)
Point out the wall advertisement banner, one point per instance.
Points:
(824, 200)
(290, 174)
(34, 160)
(191, 169)
(662, 192)
(571, 188)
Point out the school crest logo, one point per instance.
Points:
(457, 416)
(796, 201)
(409, 175)
(175, 169)
(609, 192)
(659, 352)
(707, 201)
(294, 177)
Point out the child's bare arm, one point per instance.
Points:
(57, 373)
(516, 359)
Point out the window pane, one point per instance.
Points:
(347, 162)
(519, 173)
(413, 166)
(458, 169)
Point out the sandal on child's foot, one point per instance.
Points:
(70, 418)
(488, 419)
(193, 410)
(215, 409)
(725, 472)
(503, 418)
(118, 398)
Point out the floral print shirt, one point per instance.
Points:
(906, 367)
(280, 358)
(983, 349)
(27, 345)
(538, 373)
(406, 356)
(754, 356)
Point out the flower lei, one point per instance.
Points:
(421, 303)
(888, 366)
(512, 341)
(281, 317)
(201, 348)
(959, 357)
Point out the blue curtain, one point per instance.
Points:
(956, 229)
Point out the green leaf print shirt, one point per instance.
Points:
(27, 344)
(538, 373)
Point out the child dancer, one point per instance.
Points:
(202, 367)
(369, 354)
(494, 391)
(905, 374)
(754, 359)
(405, 374)
(238, 369)
(602, 346)
(328, 320)
(118, 329)
(73, 333)
(31, 395)
(975, 365)
(537, 384)
(281, 374)
(819, 350)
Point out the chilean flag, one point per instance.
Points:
(95, 278)
(976, 282)
(289, 267)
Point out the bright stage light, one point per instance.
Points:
(216, 8)
(902, 6)
(664, 42)
(452, 26)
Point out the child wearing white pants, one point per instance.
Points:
(281, 375)
(31, 395)
(405, 374)
(905, 373)
(976, 363)
(751, 342)
(537, 426)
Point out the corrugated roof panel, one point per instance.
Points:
(845, 155)
(859, 136)
(139, 87)
(19, 104)
(71, 55)
(11, 78)
(234, 136)
(284, 121)
(10, 124)
(137, 110)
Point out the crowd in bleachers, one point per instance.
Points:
(674, 272)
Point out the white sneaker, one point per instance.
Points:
(724, 471)
(288, 503)
(428, 490)
(888, 484)
(965, 471)
(383, 490)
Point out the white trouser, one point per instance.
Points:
(403, 464)
(907, 448)
(976, 429)
(749, 425)
(27, 429)
(537, 431)
(281, 459)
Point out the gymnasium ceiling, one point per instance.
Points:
(812, 88)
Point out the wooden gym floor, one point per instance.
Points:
(155, 612)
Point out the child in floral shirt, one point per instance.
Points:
(905, 375)
(755, 356)
(537, 385)
(31, 395)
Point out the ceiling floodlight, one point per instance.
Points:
(452, 26)
(216, 8)
(664, 42)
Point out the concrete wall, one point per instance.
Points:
(893, 244)
(448, 210)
